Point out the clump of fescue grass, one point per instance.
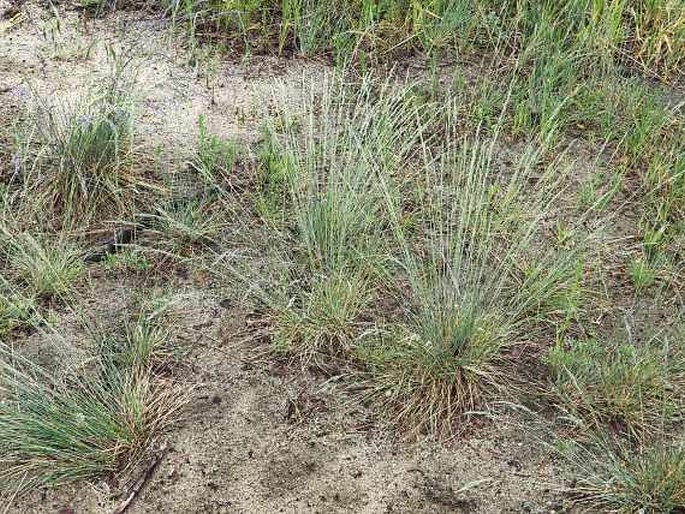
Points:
(47, 267)
(633, 387)
(184, 225)
(89, 420)
(91, 146)
(76, 160)
(616, 476)
(320, 200)
(325, 326)
(475, 279)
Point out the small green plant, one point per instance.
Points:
(275, 175)
(186, 224)
(15, 311)
(486, 106)
(598, 191)
(214, 157)
(128, 259)
(655, 239)
(632, 387)
(642, 273)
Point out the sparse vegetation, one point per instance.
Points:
(453, 218)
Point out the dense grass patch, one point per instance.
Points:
(647, 34)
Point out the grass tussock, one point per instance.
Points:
(468, 297)
(46, 268)
(91, 146)
(91, 419)
(327, 322)
(319, 198)
(184, 226)
(77, 159)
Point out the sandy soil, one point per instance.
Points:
(258, 436)
(261, 437)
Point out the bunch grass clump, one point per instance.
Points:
(47, 267)
(93, 418)
(320, 201)
(185, 225)
(326, 325)
(474, 281)
(76, 160)
(92, 146)
(615, 476)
